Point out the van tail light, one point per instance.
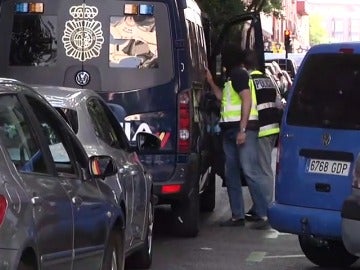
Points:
(346, 50)
(356, 173)
(184, 123)
(170, 189)
(3, 207)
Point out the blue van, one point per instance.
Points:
(318, 144)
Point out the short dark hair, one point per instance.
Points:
(232, 55)
(250, 59)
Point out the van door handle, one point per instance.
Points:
(76, 200)
(36, 200)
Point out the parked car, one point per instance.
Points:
(99, 131)
(56, 212)
(350, 214)
(318, 144)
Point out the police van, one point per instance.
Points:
(318, 144)
(147, 59)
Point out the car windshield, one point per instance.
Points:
(327, 93)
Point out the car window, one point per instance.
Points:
(102, 125)
(329, 99)
(16, 137)
(54, 131)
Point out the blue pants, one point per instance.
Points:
(244, 157)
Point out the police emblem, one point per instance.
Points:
(83, 36)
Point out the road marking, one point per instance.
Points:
(256, 256)
(207, 248)
(284, 256)
(259, 256)
(274, 234)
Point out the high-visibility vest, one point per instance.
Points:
(231, 104)
(265, 96)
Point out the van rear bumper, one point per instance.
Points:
(305, 221)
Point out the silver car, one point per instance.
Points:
(101, 134)
(56, 212)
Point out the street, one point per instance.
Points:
(230, 248)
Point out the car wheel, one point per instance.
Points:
(207, 199)
(114, 256)
(23, 266)
(142, 258)
(186, 215)
(330, 253)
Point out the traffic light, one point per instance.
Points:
(287, 41)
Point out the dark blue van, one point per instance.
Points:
(146, 58)
(318, 144)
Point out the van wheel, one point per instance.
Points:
(142, 258)
(207, 199)
(114, 256)
(331, 254)
(186, 215)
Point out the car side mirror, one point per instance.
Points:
(147, 142)
(102, 166)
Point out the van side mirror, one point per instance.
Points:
(102, 166)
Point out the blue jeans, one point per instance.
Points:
(244, 157)
(266, 146)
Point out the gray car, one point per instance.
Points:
(101, 134)
(56, 212)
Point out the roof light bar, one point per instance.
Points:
(22, 7)
(131, 9)
(29, 7)
(146, 10)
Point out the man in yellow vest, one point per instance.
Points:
(240, 128)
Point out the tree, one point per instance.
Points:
(219, 11)
(318, 32)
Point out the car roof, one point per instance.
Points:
(65, 97)
(335, 47)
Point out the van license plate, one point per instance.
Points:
(329, 167)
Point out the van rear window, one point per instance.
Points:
(327, 93)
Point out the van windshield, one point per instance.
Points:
(327, 93)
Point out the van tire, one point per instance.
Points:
(186, 215)
(333, 254)
(207, 199)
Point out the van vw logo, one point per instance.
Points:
(326, 139)
(82, 78)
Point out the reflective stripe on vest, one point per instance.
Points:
(231, 104)
(270, 129)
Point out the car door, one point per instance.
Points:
(130, 173)
(90, 208)
(51, 207)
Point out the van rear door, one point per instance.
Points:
(321, 131)
(245, 30)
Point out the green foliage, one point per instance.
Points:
(318, 32)
(219, 11)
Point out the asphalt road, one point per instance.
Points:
(215, 248)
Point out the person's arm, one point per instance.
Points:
(216, 89)
(240, 81)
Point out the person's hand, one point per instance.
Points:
(240, 138)
(208, 76)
